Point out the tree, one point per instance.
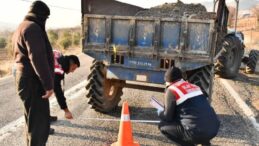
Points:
(231, 16)
(76, 39)
(3, 42)
(255, 11)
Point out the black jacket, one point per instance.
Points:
(33, 52)
(59, 93)
(194, 114)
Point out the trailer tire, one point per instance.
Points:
(251, 63)
(103, 94)
(202, 78)
(229, 62)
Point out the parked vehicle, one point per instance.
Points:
(141, 48)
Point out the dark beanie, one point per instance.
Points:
(173, 74)
(40, 9)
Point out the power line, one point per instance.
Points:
(71, 9)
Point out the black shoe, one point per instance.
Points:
(51, 131)
(206, 144)
(53, 119)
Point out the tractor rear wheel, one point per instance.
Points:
(251, 63)
(228, 63)
(103, 94)
(203, 78)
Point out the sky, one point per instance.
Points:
(64, 13)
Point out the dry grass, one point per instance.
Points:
(6, 65)
(72, 51)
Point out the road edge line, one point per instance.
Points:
(244, 107)
(6, 77)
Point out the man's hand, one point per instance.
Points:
(48, 93)
(68, 114)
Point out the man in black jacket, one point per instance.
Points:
(35, 72)
(63, 64)
(187, 119)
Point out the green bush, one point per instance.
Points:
(3, 42)
(76, 39)
(65, 42)
(53, 37)
(9, 46)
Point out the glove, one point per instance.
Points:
(159, 112)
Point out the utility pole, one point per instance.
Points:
(237, 7)
(214, 5)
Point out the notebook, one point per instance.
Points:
(156, 104)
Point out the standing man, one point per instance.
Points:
(63, 64)
(35, 72)
(187, 119)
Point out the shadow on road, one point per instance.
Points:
(231, 126)
(137, 113)
(253, 79)
(97, 129)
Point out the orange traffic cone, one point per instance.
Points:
(125, 137)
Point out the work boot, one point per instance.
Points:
(53, 119)
(51, 131)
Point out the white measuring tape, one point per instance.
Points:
(117, 120)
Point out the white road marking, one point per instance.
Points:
(247, 111)
(6, 78)
(70, 94)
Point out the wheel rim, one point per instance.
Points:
(110, 90)
(103, 94)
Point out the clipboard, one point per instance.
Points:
(156, 104)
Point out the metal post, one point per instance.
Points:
(237, 7)
(251, 30)
(214, 6)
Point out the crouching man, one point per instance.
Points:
(188, 119)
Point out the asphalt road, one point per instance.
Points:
(11, 106)
(91, 128)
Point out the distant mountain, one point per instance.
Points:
(7, 26)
